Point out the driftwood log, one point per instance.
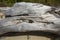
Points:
(31, 17)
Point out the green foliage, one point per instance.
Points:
(8, 2)
(47, 2)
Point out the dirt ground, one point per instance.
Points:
(24, 37)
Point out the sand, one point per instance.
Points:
(24, 37)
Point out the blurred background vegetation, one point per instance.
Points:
(46, 2)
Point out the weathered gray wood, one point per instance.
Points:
(39, 17)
